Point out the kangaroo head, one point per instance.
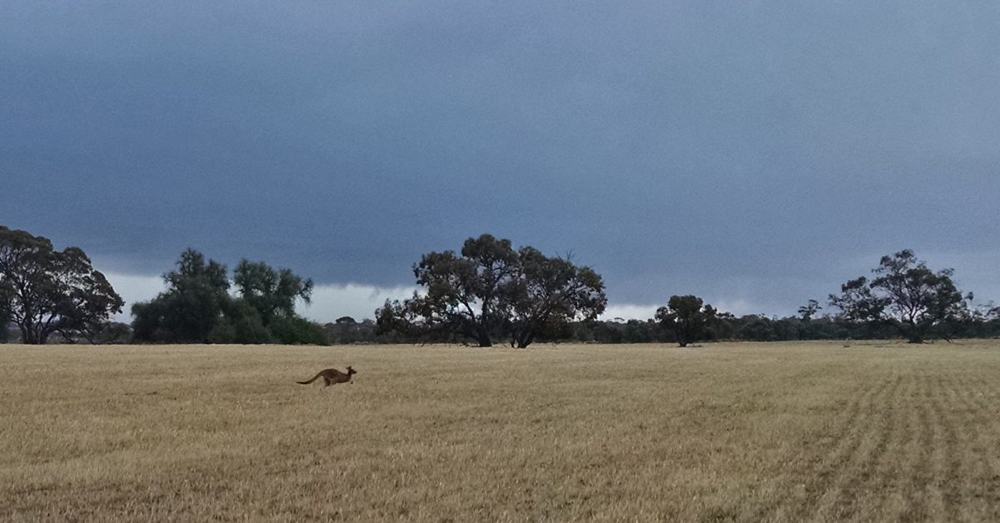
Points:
(351, 371)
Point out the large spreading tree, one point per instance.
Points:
(45, 291)
(546, 293)
(906, 294)
(491, 290)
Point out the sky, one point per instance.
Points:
(755, 153)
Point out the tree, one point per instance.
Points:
(265, 309)
(393, 317)
(197, 306)
(491, 290)
(4, 324)
(906, 294)
(548, 293)
(809, 310)
(990, 312)
(463, 293)
(192, 306)
(45, 291)
(240, 323)
(271, 292)
(686, 318)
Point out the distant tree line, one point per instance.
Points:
(475, 297)
(488, 292)
(725, 327)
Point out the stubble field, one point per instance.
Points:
(811, 431)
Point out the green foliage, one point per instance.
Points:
(241, 324)
(294, 330)
(545, 294)
(4, 323)
(223, 332)
(45, 291)
(906, 294)
(465, 294)
(809, 310)
(197, 306)
(491, 290)
(191, 308)
(391, 317)
(686, 318)
(272, 293)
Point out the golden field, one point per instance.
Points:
(791, 432)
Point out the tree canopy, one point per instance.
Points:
(906, 294)
(491, 290)
(809, 310)
(192, 306)
(198, 308)
(686, 318)
(486, 292)
(271, 292)
(45, 291)
(546, 293)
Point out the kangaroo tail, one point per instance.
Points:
(310, 381)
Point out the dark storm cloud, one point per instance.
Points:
(756, 152)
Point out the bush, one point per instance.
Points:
(298, 331)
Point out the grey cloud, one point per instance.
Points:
(747, 151)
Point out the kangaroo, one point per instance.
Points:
(332, 376)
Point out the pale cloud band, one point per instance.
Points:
(359, 301)
(329, 302)
(644, 312)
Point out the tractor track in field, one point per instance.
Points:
(842, 441)
(910, 444)
(899, 455)
(979, 478)
(851, 475)
(916, 473)
(790, 432)
(988, 423)
(948, 456)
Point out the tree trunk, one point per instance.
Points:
(29, 336)
(912, 332)
(483, 337)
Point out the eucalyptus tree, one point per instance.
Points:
(549, 292)
(904, 293)
(687, 317)
(45, 291)
(491, 290)
(808, 311)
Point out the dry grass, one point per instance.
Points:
(730, 431)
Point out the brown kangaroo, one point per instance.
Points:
(332, 376)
